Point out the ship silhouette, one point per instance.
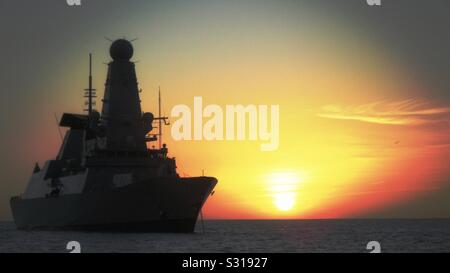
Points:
(104, 177)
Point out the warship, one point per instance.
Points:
(104, 177)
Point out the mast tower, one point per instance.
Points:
(90, 93)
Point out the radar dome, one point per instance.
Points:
(121, 50)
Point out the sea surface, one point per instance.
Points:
(247, 236)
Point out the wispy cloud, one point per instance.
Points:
(406, 112)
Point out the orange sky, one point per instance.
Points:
(354, 136)
(357, 129)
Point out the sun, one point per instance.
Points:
(284, 201)
(284, 188)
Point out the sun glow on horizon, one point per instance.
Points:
(284, 188)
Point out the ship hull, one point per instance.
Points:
(160, 205)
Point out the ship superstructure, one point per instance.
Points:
(104, 176)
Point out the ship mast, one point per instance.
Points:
(159, 120)
(90, 92)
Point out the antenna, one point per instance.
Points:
(90, 93)
(160, 120)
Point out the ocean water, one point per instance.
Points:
(247, 236)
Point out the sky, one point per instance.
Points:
(362, 91)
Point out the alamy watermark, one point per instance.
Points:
(374, 2)
(78, 2)
(73, 2)
(73, 247)
(374, 247)
(236, 122)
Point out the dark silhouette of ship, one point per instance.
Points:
(104, 177)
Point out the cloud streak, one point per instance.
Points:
(406, 112)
